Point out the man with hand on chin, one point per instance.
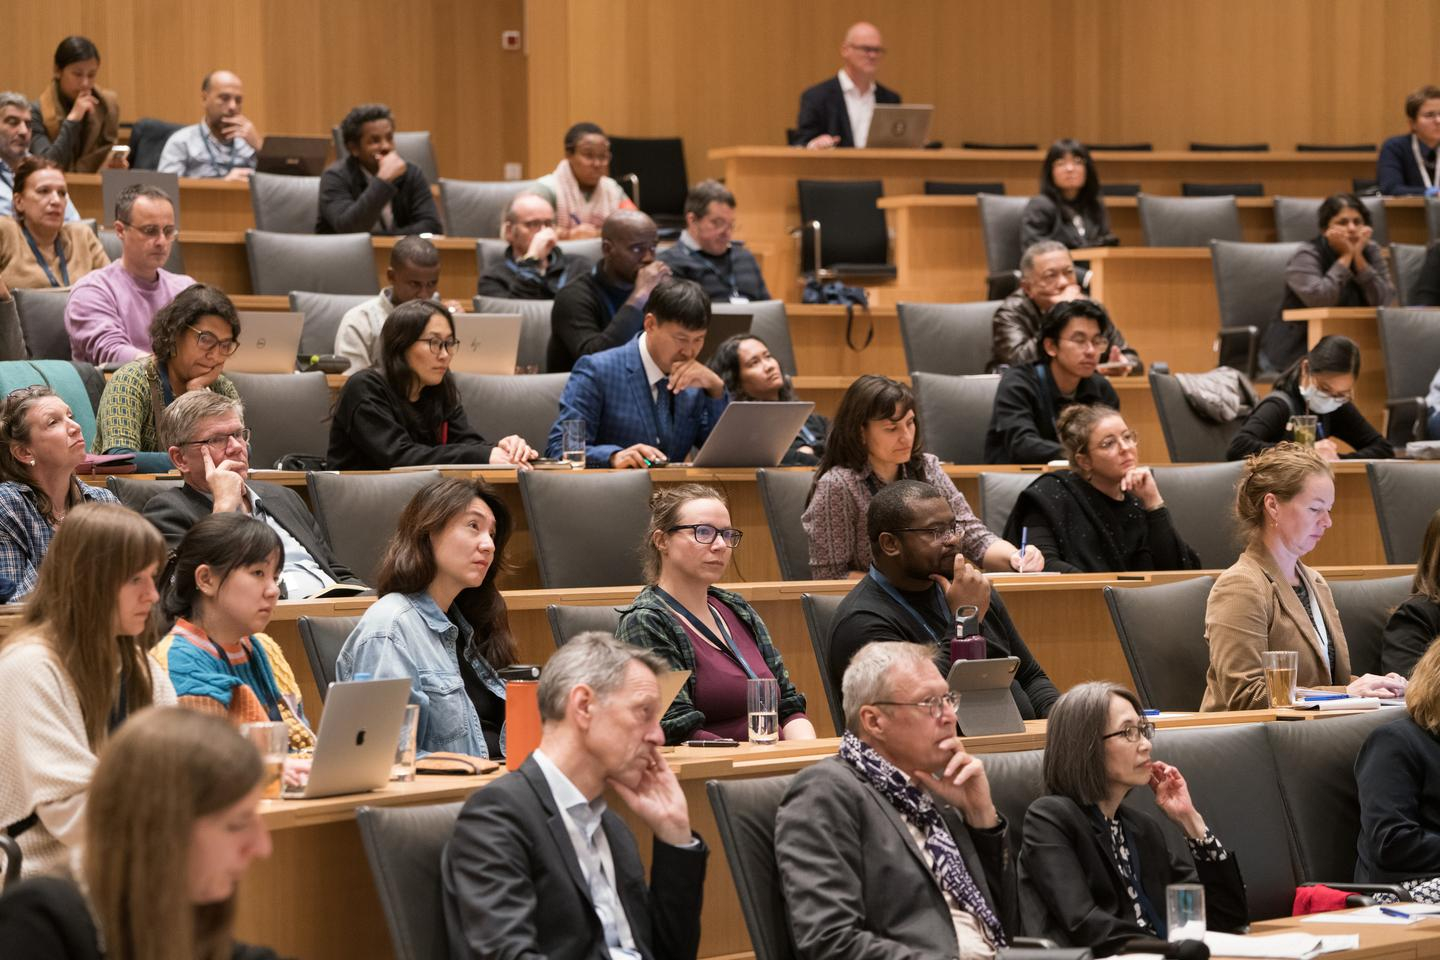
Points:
(902, 807)
(223, 144)
(539, 866)
(373, 189)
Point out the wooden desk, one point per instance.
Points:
(1361, 325)
(1162, 298)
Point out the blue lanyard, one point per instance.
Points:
(895, 595)
(214, 160)
(726, 645)
(707, 264)
(40, 259)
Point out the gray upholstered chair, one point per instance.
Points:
(534, 334)
(323, 313)
(819, 618)
(1201, 499)
(1188, 221)
(322, 638)
(498, 406)
(1365, 607)
(1406, 496)
(1250, 289)
(1189, 437)
(567, 621)
(1407, 262)
(1297, 219)
(998, 493)
(114, 248)
(476, 208)
(328, 263)
(1162, 631)
(415, 147)
(1432, 218)
(954, 414)
(490, 251)
(578, 545)
(782, 495)
(949, 338)
(136, 493)
(285, 204)
(1000, 221)
(358, 513)
(1410, 345)
(286, 413)
(769, 323)
(745, 815)
(404, 846)
(42, 323)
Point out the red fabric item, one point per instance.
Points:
(444, 432)
(1318, 898)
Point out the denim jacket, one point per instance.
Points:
(407, 635)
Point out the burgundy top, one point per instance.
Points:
(720, 683)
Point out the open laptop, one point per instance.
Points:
(723, 326)
(298, 156)
(489, 342)
(753, 433)
(902, 125)
(355, 745)
(984, 704)
(269, 341)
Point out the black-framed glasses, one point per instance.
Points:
(221, 440)
(936, 705)
(937, 533)
(707, 532)
(436, 344)
(1133, 732)
(208, 341)
(1081, 342)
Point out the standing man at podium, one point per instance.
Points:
(836, 112)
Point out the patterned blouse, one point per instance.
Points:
(835, 519)
(1206, 848)
(130, 407)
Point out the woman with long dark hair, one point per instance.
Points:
(1069, 207)
(751, 372)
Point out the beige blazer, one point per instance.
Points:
(1253, 609)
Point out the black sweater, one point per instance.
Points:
(1268, 424)
(1398, 775)
(1412, 628)
(375, 428)
(589, 316)
(351, 202)
(1022, 424)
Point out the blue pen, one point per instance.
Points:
(1024, 540)
(1390, 912)
(1152, 713)
(1319, 430)
(1317, 697)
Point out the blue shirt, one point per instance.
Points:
(196, 152)
(25, 535)
(407, 635)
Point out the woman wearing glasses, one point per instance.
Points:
(580, 188)
(191, 339)
(1093, 872)
(38, 249)
(696, 626)
(1105, 513)
(406, 409)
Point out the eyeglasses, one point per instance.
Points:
(151, 231)
(937, 533)
(1132, 732)
(640, 249)
(207, 341)
(1099, 343)
(436, 344)
(593, 157)
(1129, 438)
(221, 440)
(936, 705)
(868, 50)
(706, 533)
(537, 224)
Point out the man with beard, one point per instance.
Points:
(16, 134)
(224, 143)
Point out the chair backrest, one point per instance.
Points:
(852, 227)
(659, 163)
(769, 322)
(285, 204)
(819, 619)
(745, 815)
(577, 545)
(414, 146)
(404, 846)
(568, 621)
(322, 638)
(1119, 189)
(498, 406)
(1432, 218)
(949, 338)
(535, 331)
(1297, 219)
(782, 495)
(286, 413)
(954, 413)
(148, 137)
(955, 188)
(1410, 346)
(1201, 499)
(323, 313)
(136, 493)
(1162, 631)
(1406, 496)
(1189, 437)
(1249, 282)
(1365, 607)
(359, 512)
(476, 208)
(1334, 148)
(1188, 221)
(1016, 781)
(42, 323)
(1408, 262)
(1222, 189)
(490, 252)
(328, 263)
(998, 494)
(1000, 219)
(115, 248)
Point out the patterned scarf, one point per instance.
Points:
(571, 206)
(915, 805)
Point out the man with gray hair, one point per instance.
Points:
(534, 268)
(16, 134)
(902, 807)
(539, 866)
(707, 254)
(1047, 277)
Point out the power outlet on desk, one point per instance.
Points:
(509, 39)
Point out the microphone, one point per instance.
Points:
(1177, 950)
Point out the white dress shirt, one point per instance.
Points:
(653, 373)
(860, 107)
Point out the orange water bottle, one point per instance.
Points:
(522, 712)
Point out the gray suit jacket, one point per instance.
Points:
(856, 886)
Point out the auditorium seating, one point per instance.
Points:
(404, 846)
(136, 493)
(1406, 262)
(745, 815)
(1297, 219)
(1365, 607)
(769, 322)
(285, 204)
(323, 638)
(782, 495)
(498, 406)
(949, 338)
(358, 513)
(476, 208)
(286, 413)
(1410, 344)
(42, 323)
(323, 313)
(1188, 221)
(1189, 437)
(570, 621)
(998, 494)
(1201, 500)
(1162, 631)
(326, 263)
(1000, 219)
(577, 545)
(851, 239)
(1222, 189)
(1406, 497)
(534, 335)
(819, 618)
(953, 414)
(1250, 288)
(658, 166)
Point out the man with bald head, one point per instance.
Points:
(222, 146)
(836, 112)
(606, 307)
(534, 268)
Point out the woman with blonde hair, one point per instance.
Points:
(174, 822)
(72, 670)
(1268, 599)
(1415, 624)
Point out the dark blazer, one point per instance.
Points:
(1072, 892)
(855, 883)
(1411, 629)
(351, 203)
(175, 511)
(1396, 170)
(1398, 775)
(510, 854)
(822, 110)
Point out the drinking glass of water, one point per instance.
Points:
(1185, 910)
(272, 740)
(572, 443)
(403, 769)
(763, 697)
(1280, 669)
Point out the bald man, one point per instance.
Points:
(606, 307)
(836, 112)
(223, 145)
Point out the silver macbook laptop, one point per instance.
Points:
(753, 433)
(269, 341)
(355, 745)
(904, 125)
(489, 342)
(299, 156)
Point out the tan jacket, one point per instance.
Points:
(21, 271)
(1253, 609)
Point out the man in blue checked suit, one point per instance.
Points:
(650, 400)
